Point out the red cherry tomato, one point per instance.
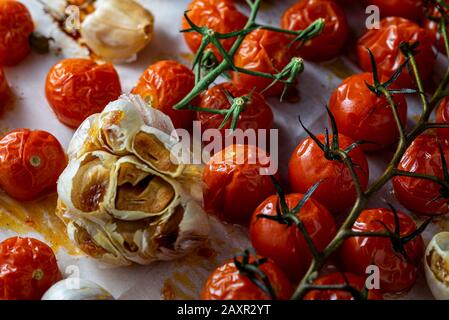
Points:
(5, 92)
(234, 184)
(419, 195)
(262, 51)
(16, 26)
(227, 283)
(308, 165)
(433, 28)
(28, 268)
(163, 85)
(384, 44)
(409, 9)
(353, 280)
(78, 88)
(219, 15)
(30, 163)
(333, 38)
(397, 274)
(361, 115)
(442, 116)
(285, 244)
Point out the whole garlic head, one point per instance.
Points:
(436, 266)
(117, 29)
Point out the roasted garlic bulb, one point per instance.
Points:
(436, 266)
(124, 196)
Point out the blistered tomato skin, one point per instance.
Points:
(333, 38)
(233, 183)
(384, 44)
(442, 116)
(219, 15)
(28, 268)
(397, 274)
(262, 51)
(16, 26)
(30, 163)
(409, 9)
(286, 245)
(336, 191)
(78, 88)
(361, 115)
(5, 92)
(419, 195)
(227, 283)
(163, 85)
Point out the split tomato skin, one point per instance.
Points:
(219, 15)
(409, 9)
(78, 88)
(16, 26)
(227, 283)
(163, 85)
(28, 268)
(419, 195)
(442, 116)
(285, 244)
(384, 44)
(355, 281)
(336, 192)
(30, 163)
(396, 273)
(233, 185)
(331, 41)
(262, 51)
(361, 115)
(5, 91)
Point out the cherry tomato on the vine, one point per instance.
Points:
(236, 180)
(30, 163)
(421, 195)
(397, 272)
(433, 27)
(442, 116)
(163, 85)
(5, 92)
(78, 88)
(337, 191)
(16, 26)
(409, 9)
(361, 115)
(333, 38)
(384, 44)
(28, 268)
(285, 244)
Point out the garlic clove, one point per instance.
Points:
(436, 266)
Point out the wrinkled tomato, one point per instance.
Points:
(163, 85)
(16, 26)
(236, 181)
(28, 268)
(409, 9)
(420, 195)
(308, 165)
(285, 244)
(5, 92)
(78, 88)
(384, 44)
(397, 273)
(30, 163)
(361, 115)
(333, 38)
(442, 116)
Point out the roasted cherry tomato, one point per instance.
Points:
(28, 268)
(5, 92)
(420, 195)
(442, 116)
(219, 15)
(262, 51)
(163, 85)
(308, 165)
(16, 26)
(397, 273)
(355, 281)
(361, 115)
(433, 28)
(235, 184)
(409, 9)
(384, 44)
(30, 163)
(228, 283)
(285, 244)
(78, 88)
(333, 38)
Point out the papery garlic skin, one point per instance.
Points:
(117, 29)
(436, 266)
